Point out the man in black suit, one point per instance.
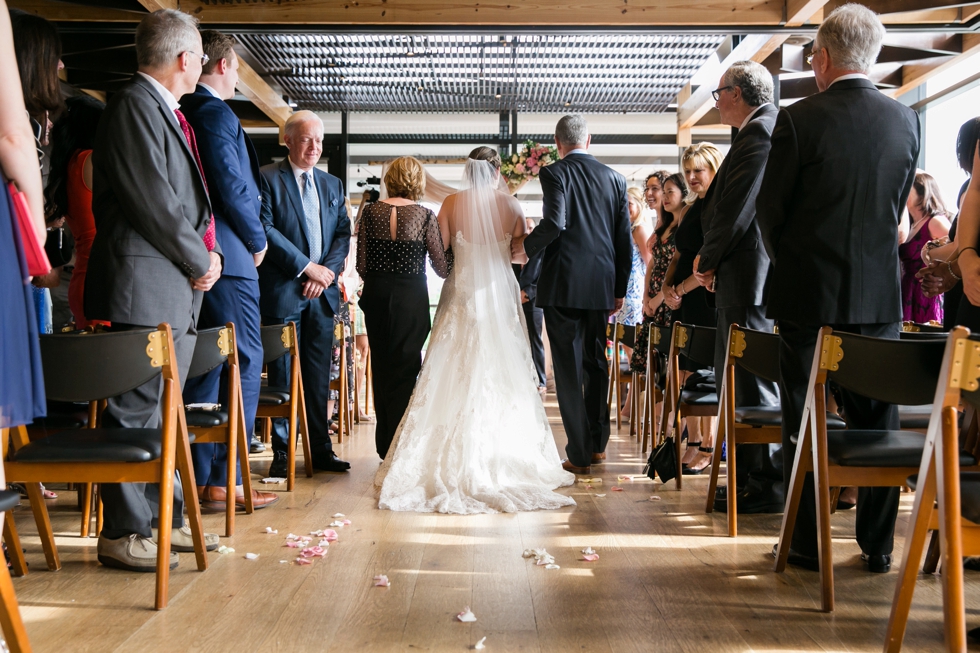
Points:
(734, 263)
(527, 278)
(309, 236)
(839, 172)
(154, 254)
(586, 237)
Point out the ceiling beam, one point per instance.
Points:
(902, 6)
(914, 75)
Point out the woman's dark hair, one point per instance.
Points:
(661, 176)
(930, 201)
(668, 218)
(38, 50)
(74, 132)
(484, 153)
(966, 143)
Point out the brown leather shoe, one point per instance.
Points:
(598, 458)
(213, 498)
(569, 467)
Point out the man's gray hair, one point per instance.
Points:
(163, 35)
(852, 34)
(572, 130)
(754, 80)
(298, 118)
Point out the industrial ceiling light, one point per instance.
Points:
(498, 94)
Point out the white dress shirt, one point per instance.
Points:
(300, 183)
(849, 76)
(752, 115)
(164, 92)
(210, 90)
(578, 151)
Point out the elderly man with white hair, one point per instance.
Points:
(308, 232)
(839, 172)
(154, 256)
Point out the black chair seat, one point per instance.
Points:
(200, 418)
(698, 398)
(914, 417)
(9, 500)
(273, 395)
(94, 445)
(860, 448)
(773, 416)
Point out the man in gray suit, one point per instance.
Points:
(154, 254)
(734, 263)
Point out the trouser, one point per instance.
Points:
(396, 315)
(534, 317)
(314, 330)
(755, 461)
(235, 300)
(578, 354)
(133, 507)
(877, 507)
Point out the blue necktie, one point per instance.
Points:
(312, 217)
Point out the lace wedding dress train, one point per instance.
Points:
(475, 437)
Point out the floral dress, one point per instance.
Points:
(663, 252)
(632, 311)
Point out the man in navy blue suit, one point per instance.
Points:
(309, 236)
(231, 171)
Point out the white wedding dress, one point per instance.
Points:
(475, 437)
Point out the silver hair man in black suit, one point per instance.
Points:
(154, 253)
(734, 263)
(839, 172)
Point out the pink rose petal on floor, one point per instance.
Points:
(466, 616)
(304, 561)
(346, 522)
(294, 544)
(381, 581)
(271, 531)
(330, 535)
(588, 487)
(590, 557)
(616, 488)
(314, 552)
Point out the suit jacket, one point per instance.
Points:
(151, 212)
(839, 172)
(732, 241)
(231, 169)
(280, 275)
(527, 275)
(585, 234)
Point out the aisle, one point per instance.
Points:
(667, 579)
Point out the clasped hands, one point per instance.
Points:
(205, 282)
(937, 278)
(318, 279)
(706, 279)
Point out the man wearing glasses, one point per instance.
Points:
(154, 256)
(839, 172)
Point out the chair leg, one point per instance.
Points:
(246, 471)
(267, 430)
(44, 529)
(305, 432)
(12, 539)
(85, 492)
(10, 620)
(193, 504)
(931, 563)
(294, 385)
(801, 466)
(97, 498)
(232, 459)
(821, 487)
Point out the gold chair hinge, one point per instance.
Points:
(157, 349)
(338, 332)
(738, 343)
(681, 337)
(655, 335)
(966, 365)
(830, 353)
(287, 337)
(620, 332)
(224, 341)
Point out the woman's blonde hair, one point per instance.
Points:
(636, 195)
(703, 155)
(406, 178)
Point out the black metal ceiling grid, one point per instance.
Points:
(459, 73)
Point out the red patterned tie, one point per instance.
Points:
(192, 143)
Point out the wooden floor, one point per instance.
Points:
(668, 579)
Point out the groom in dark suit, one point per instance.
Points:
(586, 267)
(309, 236)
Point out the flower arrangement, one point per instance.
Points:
(525, 164)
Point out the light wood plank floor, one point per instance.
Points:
(668, 579)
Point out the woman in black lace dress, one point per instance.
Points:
(394, 236)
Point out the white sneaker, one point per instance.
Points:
(182, 540)
(132, 553)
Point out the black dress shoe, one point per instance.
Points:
(255, 446)
(753, 500)
(877, 564)
(330, 463)
(280, 465)
(810, 563)
(974, 634)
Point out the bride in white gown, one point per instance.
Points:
(475, 437)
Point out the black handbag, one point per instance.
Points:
(663, 462)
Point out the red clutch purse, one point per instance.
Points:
(37, 259)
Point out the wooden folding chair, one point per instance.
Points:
(279, 340)
(614, 334)
(10, 620)
(345, 411)
(697, 344)
(892, 371)
(90, 367)
(957, 515)
(658, 348)
(757, 352)
(216, 347)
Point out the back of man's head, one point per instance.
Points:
(162, 36)
(753, 79)
(572, 130)
(217, 46)
(852, 34)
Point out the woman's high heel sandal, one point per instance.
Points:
(694, 471)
